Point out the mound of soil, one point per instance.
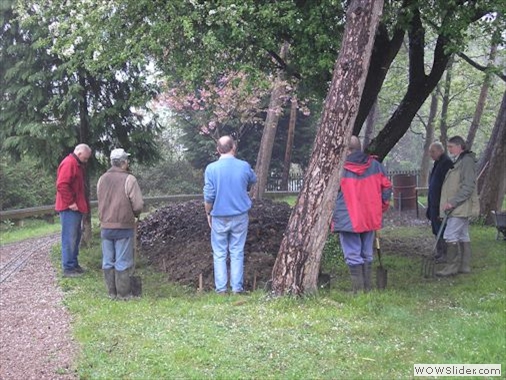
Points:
(176, 240)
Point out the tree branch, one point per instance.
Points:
(283, 65)
(485, 69)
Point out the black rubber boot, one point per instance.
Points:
(367, 268)
(123, 285)
(110, 282)
(452, 259)
(465, 254)
(357, 278)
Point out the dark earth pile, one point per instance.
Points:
(176, 240)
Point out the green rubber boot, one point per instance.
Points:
(110, 282)
(452, 259)
(123, 285)
(465, 253)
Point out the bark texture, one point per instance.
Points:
(429, 139)
(492, 192)
(298, 261)
(482, 99)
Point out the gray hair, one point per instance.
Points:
(118, 162)
(438, 145)
(82, 148)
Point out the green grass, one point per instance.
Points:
(176, 333)
(30, 228)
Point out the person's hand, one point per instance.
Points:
(73, 207)
(448, 206)
(209, 220)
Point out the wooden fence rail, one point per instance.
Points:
(49, 209)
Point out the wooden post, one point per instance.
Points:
(201, 283)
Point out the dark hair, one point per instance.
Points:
(457, 140)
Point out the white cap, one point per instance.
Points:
(119, 154)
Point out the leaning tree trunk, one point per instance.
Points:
(482, 99)
(429, 139)
(269, 132)
(487, 155)
(491, 197)
(443, 123)
(420, 85)
(298, 261)
(289, 143)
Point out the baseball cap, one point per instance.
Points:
(119, 154)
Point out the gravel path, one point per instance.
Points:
(35, 335)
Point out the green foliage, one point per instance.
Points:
(169, 178)
(174, 332)
(23, 184)
(332, 255)
(50, 102)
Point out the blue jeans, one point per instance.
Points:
(118, 254)
(357, 247)
(228, 235)
(70, 238)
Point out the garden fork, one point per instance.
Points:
(428, 262)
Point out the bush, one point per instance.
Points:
(23, 185)
(169, 178)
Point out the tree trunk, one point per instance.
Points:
(480, 106)
(429, 139)
(269, 132)
(383, 53)
(298, 261)
(492, 192)
(369, 124)
(289, 144)
(84, 137)
(443, 123)
(420, 86)
(487, 155)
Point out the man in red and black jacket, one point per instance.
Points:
(71, 204)
(364, 196)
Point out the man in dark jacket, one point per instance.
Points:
(119, 203)
(364, 196)
(442, 163)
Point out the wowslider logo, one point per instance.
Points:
(457, 370)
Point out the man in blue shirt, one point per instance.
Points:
(226, 201)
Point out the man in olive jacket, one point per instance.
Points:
(458, 200)
(119, 203)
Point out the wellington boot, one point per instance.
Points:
(452, 259)
(123, 285)
(110, 282)
(357, 278)
(367, 268)
(465, 253)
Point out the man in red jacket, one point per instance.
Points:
(71, 204)
(364, 196)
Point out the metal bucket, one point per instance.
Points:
(404, 186)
